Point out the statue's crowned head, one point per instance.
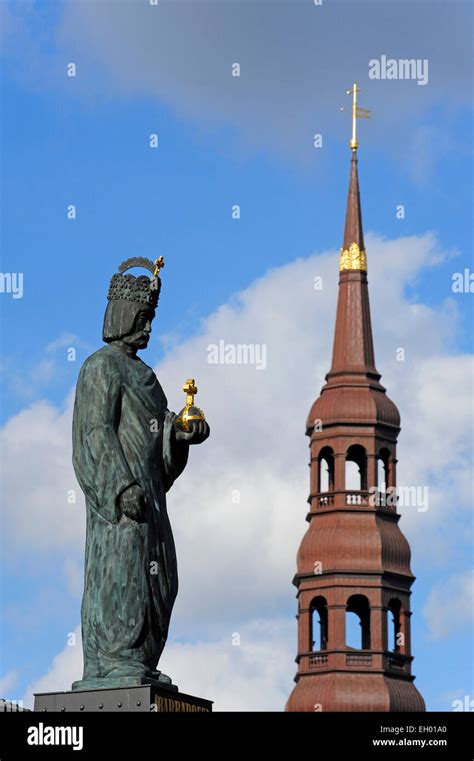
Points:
(130, 298)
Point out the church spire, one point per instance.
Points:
(353, 250)
(353, 559)
(353, 350)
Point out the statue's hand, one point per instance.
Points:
(198, 432)
(133, 502)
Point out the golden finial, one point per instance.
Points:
(159, 264)
(357, 113)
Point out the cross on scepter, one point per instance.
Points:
(190, 389)
(357, 113)
(190, 412)
(159, 264)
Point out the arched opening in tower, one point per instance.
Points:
(319, 623)
(356, 469)
(358, 623)
(383, 464)
(326, 470)
(394, 629)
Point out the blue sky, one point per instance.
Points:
(222, 141)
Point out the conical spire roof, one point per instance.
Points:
(353, 392)
(353, 350)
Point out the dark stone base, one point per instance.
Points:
(157, 679)
(139, 697)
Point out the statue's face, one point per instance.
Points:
(140, 335)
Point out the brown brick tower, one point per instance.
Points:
(353, 562)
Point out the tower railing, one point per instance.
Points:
(348, 659)
(352, 498)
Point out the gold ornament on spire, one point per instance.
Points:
(353, 258)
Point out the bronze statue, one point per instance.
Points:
(128, 449)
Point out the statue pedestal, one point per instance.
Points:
(148, 698)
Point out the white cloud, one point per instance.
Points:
(65, 668)
(64, 341)
(7, 682)
(35, 376)
(255, 675)
(37, 479)
(289, 53)
(247, 670)
(237, 558)
(293, 77)
(450, 605)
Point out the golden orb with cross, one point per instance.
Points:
(190, 412)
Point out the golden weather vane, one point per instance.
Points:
(357, 113)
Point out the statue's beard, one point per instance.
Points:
(137, 340)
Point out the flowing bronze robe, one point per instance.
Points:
(122, 435)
